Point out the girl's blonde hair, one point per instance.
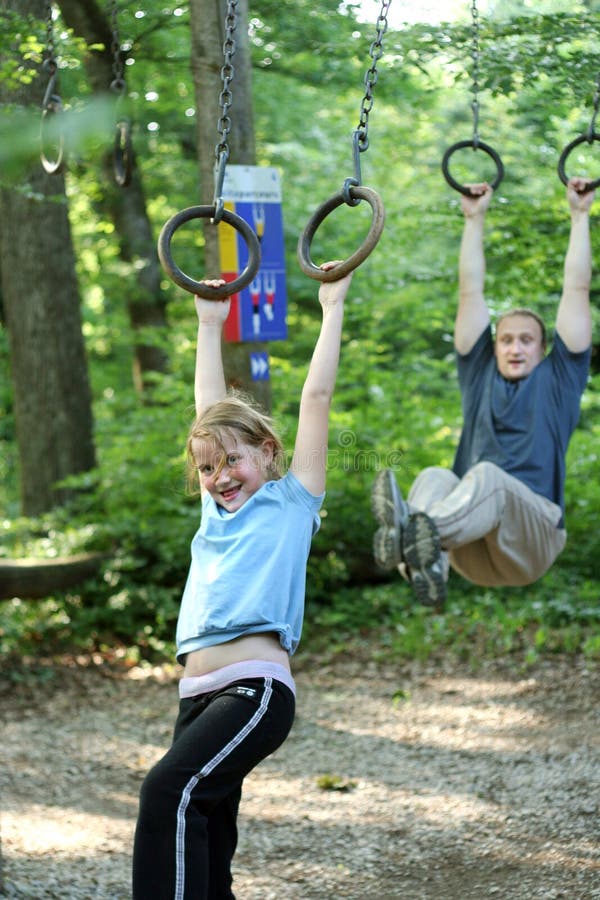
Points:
(236, 418)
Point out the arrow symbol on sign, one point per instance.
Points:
(259, 365)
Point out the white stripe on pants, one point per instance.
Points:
(206, 770)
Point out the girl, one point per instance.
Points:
(241, 613)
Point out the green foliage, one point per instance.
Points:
(396, 401)
(557, 615)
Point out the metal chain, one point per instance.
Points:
(375, 52)
(225, 101)
(51, 101)
(227, 72)
(475, 85)
(118, 83)
(122, 151)
(50, 64)
(360, 137)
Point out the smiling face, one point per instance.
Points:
(231, 473)
(519, 346)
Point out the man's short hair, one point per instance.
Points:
(524, 311)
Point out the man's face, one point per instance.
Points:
(518, 346)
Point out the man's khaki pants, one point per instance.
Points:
(496, 530)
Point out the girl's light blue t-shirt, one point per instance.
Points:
(248, 568)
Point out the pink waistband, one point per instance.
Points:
(220, 678)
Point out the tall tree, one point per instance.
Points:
(126, 206)
(42, 313)
(208, 37)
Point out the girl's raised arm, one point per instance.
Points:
(310, 452)
(209, 381)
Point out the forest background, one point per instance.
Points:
(121, 491)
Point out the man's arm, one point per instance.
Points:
(472, 315)
(573, 319)
(209, 379)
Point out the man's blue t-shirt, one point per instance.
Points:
(524, 426)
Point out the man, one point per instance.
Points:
(498, 516)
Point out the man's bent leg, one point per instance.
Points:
(521, 549)
(430, 486)
(498, 530)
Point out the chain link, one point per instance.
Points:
(375, 52)
(475, 58)
(118, 83)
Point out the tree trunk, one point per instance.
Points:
(208, 35)
(42, 314)
(126, 206)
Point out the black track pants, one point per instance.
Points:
(186, 832)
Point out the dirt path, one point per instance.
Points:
(439, 785)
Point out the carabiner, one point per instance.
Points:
(357, 179)
(219, 179)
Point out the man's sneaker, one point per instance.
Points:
(392, 512)
(422, 553)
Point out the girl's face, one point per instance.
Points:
(244, 471)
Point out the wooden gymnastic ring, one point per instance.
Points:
(589, 138)
(348, 265)
(198, 287)
(52, 108)
(123, 153)
(476, 145)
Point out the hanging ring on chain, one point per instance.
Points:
(123, 150)
(198, 287)
(589, 138)
(52, 106)
(123, 153)
(476, 145)
(348, 265)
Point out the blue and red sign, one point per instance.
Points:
(258, 312)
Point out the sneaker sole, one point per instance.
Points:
(386, 547)
(420, 550)
(391, 512)
(429, 587)
(386, 501)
